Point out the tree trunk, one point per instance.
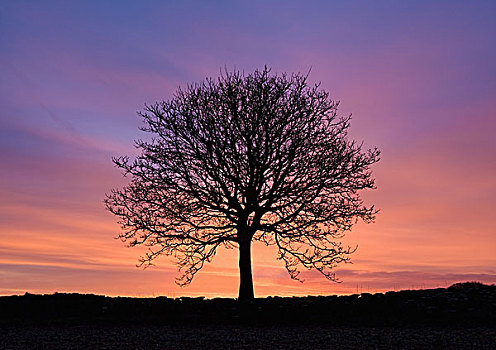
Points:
(245, 277)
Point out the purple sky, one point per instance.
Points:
(419, 78)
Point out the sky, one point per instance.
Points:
(418, 77)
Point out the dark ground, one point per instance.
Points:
(246, 337)
(462, 316)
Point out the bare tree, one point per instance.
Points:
(245, 157)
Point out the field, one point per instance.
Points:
(462, 316)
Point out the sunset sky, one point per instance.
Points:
(419, 78)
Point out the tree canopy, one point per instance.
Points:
(242, 158)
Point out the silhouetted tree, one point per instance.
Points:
(245, 157)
